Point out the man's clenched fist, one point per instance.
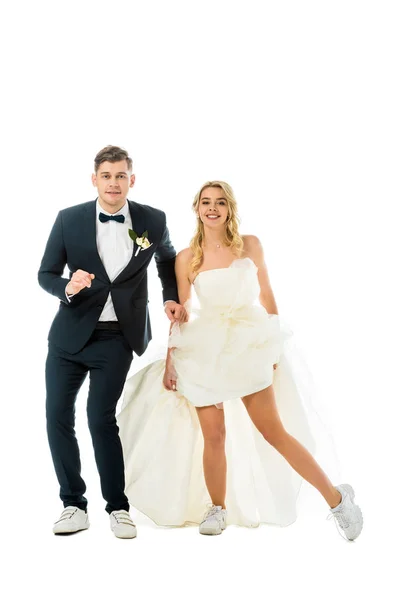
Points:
(79, 280)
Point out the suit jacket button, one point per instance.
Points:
(100, 307)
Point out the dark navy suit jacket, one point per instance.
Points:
(72, 242)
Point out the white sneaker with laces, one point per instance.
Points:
(347, 514)
(214, 521)
(122, 524)
(72, 519)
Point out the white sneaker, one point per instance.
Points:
(347, 514)
(214, 521)
(72, 519)
(122, 524)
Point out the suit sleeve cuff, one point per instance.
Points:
(68, 296)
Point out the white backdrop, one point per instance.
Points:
(295, 104)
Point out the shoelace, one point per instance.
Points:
(212, 512)
(67, 513)
(123, 518)
(341, 523)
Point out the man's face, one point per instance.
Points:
(113, 181)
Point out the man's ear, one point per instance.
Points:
(132, 180)
(94, 179)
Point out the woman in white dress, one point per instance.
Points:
(221, 420)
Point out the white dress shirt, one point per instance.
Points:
(115, 249)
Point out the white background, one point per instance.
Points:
(296, 105)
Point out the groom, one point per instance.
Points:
(102, 317)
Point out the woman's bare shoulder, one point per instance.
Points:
(182, 264)
(251, 242)
(184, 256)
(183, 260)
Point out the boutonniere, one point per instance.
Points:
(141, 241)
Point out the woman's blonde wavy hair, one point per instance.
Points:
(232, 237)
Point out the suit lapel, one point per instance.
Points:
(89, 235)
(137, 217)
(139, 226)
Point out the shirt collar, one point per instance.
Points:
(123, 211)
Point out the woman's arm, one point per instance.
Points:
(182, 264)
(255, 251)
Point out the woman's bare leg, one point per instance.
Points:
(263, 411)
(212, 424)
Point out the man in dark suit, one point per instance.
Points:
(102, 317)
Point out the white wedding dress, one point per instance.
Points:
(225, 352)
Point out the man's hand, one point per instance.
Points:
(79, 280)
(175, 312)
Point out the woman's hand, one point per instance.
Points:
(169, 379)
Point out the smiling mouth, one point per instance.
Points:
(212, 217)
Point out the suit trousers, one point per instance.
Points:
(107, 358)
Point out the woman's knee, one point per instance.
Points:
(276, 436)
(215, 436)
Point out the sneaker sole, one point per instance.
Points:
(125, 537)
(69, 531)
(205, 531)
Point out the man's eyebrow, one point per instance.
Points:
(119, 172)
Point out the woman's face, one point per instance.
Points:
(213, 207)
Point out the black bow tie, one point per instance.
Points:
(104, 218)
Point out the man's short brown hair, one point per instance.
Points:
(112, 154)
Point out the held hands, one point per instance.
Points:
(175, 312)
(79, 280)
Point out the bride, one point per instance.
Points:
(221, 420)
